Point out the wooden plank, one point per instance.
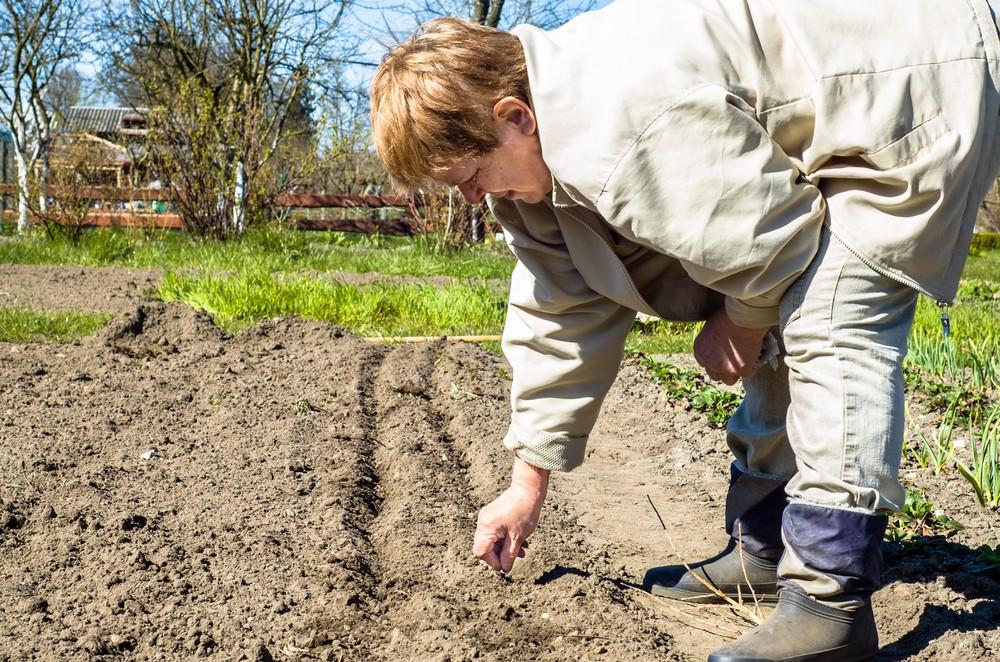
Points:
(400, 227)
(133, 220)
(285, 200)
(110, 193)
(341, 201)
(403, 227)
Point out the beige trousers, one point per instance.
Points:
(826, 427)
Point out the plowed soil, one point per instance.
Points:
(169, 491)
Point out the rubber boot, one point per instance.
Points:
(727, 572)
(803, 630)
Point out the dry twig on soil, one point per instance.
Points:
(751, 615)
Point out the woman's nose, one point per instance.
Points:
(472, 193)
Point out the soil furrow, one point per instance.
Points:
(425, 508)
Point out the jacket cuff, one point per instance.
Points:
(751, 317)
(547, 450)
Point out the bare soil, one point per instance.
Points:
(293, 492)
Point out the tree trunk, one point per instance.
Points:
(43, 179)
(238, 195)
(493, 20)
(23, 220)
(479, 11)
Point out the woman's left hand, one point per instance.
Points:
(726, 351)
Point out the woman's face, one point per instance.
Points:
(515, 169)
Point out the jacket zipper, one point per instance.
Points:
(628, 276)
(943, 304)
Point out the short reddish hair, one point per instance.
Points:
(432, 97)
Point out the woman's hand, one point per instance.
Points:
(726, 351)
(505, 523)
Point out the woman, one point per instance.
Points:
(802, 167)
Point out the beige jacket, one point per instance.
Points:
(712, 139)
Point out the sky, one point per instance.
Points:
(376, 20)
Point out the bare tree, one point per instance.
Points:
(494, 13)
(37, 38)
(222, 78)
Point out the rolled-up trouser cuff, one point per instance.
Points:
(547, 450)
(754, 506)
(834, 549)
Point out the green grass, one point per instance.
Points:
(381, 308)
(662, 337)
(983, 264)
(263, 249)
(21, 325)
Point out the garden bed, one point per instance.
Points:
(293, 492)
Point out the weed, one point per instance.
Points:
(662, 337)
(492, 346)
(919, 518)
(303, 406)
(978, 289)
(987, 561)
(689, 386)
(262, 248)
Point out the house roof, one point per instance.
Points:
(98, 120)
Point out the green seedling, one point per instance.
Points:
(987, 561)
(937, 452)
(690, 387)
(984, 474)
(919, 518)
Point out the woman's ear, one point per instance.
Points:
(513, 114)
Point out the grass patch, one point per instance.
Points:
(375, 309)
(660, 337)
(983, 263)
(21, 325)
(270, 248)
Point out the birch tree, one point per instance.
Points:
(37, 38)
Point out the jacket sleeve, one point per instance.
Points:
(705, 183)
(564, 342)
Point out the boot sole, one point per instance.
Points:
(867, 657)
(703, 598)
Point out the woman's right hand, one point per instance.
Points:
(505, 523)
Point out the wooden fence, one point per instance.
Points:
(405, 224)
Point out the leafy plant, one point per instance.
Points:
(919, 518)
(988, 559)
(689, 386)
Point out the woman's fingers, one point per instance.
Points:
(510, 551)
(486, 546)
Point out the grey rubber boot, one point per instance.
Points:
(727, 572)
(803, 630)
